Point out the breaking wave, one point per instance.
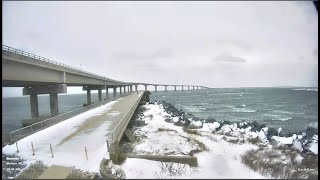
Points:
(306, 89)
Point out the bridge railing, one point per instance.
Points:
(42, 59)
(124, 122)
(33, 128)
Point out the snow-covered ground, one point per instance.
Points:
(69, 139)
(220, 160)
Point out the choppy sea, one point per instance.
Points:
(292, 108)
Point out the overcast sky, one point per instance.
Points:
(210, 43)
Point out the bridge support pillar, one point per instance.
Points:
(145, 87)
(182, 88)
(114, 91)
(136, 86)
(120, 90)
(34, 105)
(175, 88)
(54, 104)
(165, 88)
(197, 87)
(124, 89)
(130, 88)
(88, 96)
(53, 90)
(193, 87)
(92, 87)
(188, 88)
(100, 94)
(107, 92)
(155, 88)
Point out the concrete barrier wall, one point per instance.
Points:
(116, 135)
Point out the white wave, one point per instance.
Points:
(306, 89)
(277, 117)
(313, 124)
(283, 112)
(242, 109)
(193, 108)
(283, 119)
(230, 93)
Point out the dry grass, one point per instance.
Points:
(233, 140)
(79, 174)
(281, 163)
(253, 140)
(166, 130)
(33, 171)
(201, 146)
(191, 131)
(169, 170)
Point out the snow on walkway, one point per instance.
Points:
(70, 137)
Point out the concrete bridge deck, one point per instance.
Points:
(70, 138)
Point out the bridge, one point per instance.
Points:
(38, 75)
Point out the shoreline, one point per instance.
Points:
(304, 137)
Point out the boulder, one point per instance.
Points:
(169, 120)
(210, 120)
(287, 132)
(310, 132)
(186, 122)
(271, 132)
(179, 123)
(255, 126)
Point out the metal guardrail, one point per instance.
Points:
(33, 128)
(42, 59)
(126, 118)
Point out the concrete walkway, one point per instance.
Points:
(79, 141)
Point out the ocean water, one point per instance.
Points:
(290, 108)
(15, 109)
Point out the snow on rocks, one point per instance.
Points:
(297, 145)
(313, 147)
(283, 140)
(226, 128)
(196, 124)
(262, 136)
(210, 127)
